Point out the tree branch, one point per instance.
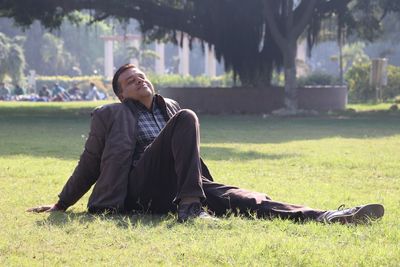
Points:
(329, 6)
(289, 19)
(150, 12)
(98, 18)
(308, 6)
(273, 26)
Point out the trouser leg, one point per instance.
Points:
(169, 169)
(224, 198)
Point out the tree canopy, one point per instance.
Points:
(11, 57)
(240, 31)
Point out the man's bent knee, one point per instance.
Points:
(188, 116)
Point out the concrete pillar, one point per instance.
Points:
(184, 56)
(108, 59)
(210, 63)
(32, 82)
(160, 61)
(136, 44)
(301, 56)
(302, 50)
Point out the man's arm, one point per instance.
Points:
(86, 172)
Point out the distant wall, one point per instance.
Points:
(323, 98)
(243, 100)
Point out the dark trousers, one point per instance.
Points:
(170, 169)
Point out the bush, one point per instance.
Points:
(393, 87)
(176, 80)
(318, 78)
(67, 82)
(159, 81)
(357, 78)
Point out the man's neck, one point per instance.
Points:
(147, 102)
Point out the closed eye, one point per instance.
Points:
(131, 80)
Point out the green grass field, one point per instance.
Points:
(320, 161)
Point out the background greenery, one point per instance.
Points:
(321, 161)
(159, 81)
(359, 88)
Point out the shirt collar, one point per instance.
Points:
(142, 107)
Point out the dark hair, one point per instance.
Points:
(121, 69)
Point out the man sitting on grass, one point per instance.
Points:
(144, 155)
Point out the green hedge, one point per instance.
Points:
(392, 90)
(357, 78)
(67, 82)
(159, 81)
(176, 80)
(318, 78)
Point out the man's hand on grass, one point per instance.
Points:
(45, 208)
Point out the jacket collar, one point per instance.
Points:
(135, 109)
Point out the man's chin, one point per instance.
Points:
(146, 88)
(147, 92)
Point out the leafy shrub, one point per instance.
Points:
(83, 82)
(358, 76)
(176, 80)
(318, 78)
(159, 81)
(393, 87)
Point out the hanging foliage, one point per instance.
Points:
(237, 29)
(11, 58)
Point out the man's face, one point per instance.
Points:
(134, 85)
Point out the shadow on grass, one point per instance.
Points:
(49, 108)
(69, 152)
(274, 130)
(121, 220)
(55, 136)
(129, 220)
(228, 153)
(62, 135)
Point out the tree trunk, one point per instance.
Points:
(341, 57)
(286, 37)
(290, 77)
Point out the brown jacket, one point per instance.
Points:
(107, 158)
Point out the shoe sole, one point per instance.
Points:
(363, 215)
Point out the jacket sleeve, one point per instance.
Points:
(87, 171)
(111, 188)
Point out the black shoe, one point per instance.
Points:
(191, 211)
(357, 215)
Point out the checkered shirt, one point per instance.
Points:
(150, 124)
